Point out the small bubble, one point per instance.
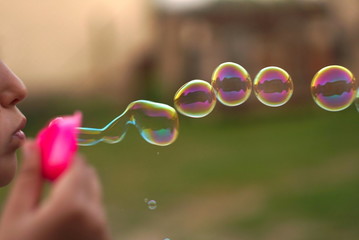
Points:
(146, 200)
(152, 204)
(158, 153)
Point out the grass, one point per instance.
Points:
(287, 173)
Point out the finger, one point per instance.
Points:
(99, 225)
(71, 192)
(71, 187)
(94, 185)
(26, 191)
(87, 180)
(72, 181)
(64, 193)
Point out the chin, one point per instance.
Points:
(8, 164)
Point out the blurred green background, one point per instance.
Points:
(268, 173)
(247, 172)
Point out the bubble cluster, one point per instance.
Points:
(232, 84)
(334, 88)
(156, 122)
(195, 99)
(273, 86)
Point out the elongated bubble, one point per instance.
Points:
(156, 122)
(273, 86)
(334, 88)
(232, 84)
(195, 99)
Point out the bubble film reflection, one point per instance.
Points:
(156, 122)
(273, 86)
(195, 99)
(334, 88)
(232, 84)
(357, 101)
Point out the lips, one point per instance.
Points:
(18, 132)
(17, 138)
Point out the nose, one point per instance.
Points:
(12, 89)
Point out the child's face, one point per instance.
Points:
(12, 91)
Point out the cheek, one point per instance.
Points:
(4, 129)
(2, 145)
(8, 160)
(8, 164)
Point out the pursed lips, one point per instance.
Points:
(18, 133)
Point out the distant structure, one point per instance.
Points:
(299, 36)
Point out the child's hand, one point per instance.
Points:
(73, 209)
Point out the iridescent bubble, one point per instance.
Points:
(357, 101)
(195, 99)
(232, 84)
(334, 88)
(273, 86)
(156, 122)
(152, 204)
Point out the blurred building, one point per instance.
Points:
(299, 36)
(75, 47)
(134, 49)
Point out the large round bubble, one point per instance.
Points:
(195, 99)
(334, 88)
(273, 86)
(232, 84)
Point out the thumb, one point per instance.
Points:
(26, 191)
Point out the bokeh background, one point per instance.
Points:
(247, 172)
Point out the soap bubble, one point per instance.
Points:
(273, 86)
(156, 122)
(195, 99)
(334, 88)
(152, 204)
(232, 84)
(357, 101)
